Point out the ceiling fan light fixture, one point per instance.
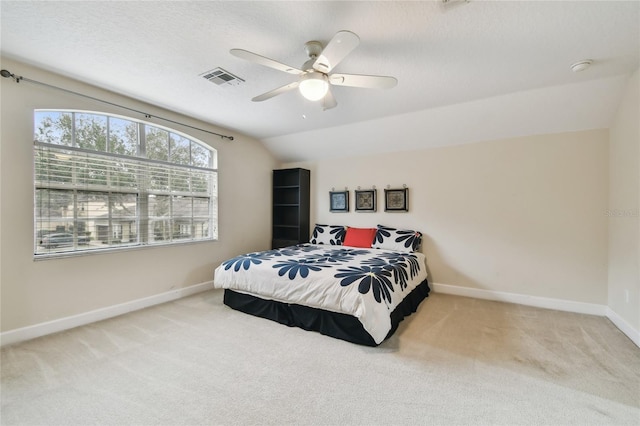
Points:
(314, 86)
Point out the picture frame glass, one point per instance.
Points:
(339, 201)
(396, 200)
(366, 200)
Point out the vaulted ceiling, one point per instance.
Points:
(467, 71)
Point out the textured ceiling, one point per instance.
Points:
(443, 55)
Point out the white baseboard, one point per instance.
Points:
(523, 299)
(624, 326)
(543, 302)
(49, 327)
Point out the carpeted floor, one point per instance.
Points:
(457, 361)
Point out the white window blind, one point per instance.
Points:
(92, 194)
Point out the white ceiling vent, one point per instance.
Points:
(222, 77)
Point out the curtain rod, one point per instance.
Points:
(18, 79)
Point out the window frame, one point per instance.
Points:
(198, 183)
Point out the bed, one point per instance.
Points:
(355, 284)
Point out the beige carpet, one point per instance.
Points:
(456, 361)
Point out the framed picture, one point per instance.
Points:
(396, 200)
(339, 201)
(366, 200)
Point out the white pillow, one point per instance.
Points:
(404, 240)
(328, 234)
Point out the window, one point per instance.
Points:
(108, 182)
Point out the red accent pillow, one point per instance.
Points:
(359, 237)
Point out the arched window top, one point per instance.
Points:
(114, 134)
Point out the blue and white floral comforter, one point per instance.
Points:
(365, 283)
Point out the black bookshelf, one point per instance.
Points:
(291, 199)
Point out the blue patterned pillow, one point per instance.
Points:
(328, 234)
(404, 240)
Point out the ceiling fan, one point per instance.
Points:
(315, 77)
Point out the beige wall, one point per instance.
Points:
(624, 207)
(35, 292)
(523, 215)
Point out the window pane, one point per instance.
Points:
(124, 218)
(181, 229)
(157, 143)
(158, 178)
(124, 173)
(201, 207)
(53, 206)
(54, 219)
(200, 182)
(123, 136)
(159, 231)
(182, 212)
(200, 156)
(180, 180)
(93, 217)
(93, 205)
(200, 228)
(57, 237)
(182, 207)
(159, 206)
(180, 153)
(159, 215)
(124, 206)
(91, 131)
(91, 170)
(53, 167)
(53, 127)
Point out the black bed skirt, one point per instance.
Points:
(341, 326)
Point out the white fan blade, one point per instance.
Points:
(276, 92)
(366, 81)
(254, 57)
(338, 48)
(328, 101)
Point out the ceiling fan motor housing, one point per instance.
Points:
(313, 48)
